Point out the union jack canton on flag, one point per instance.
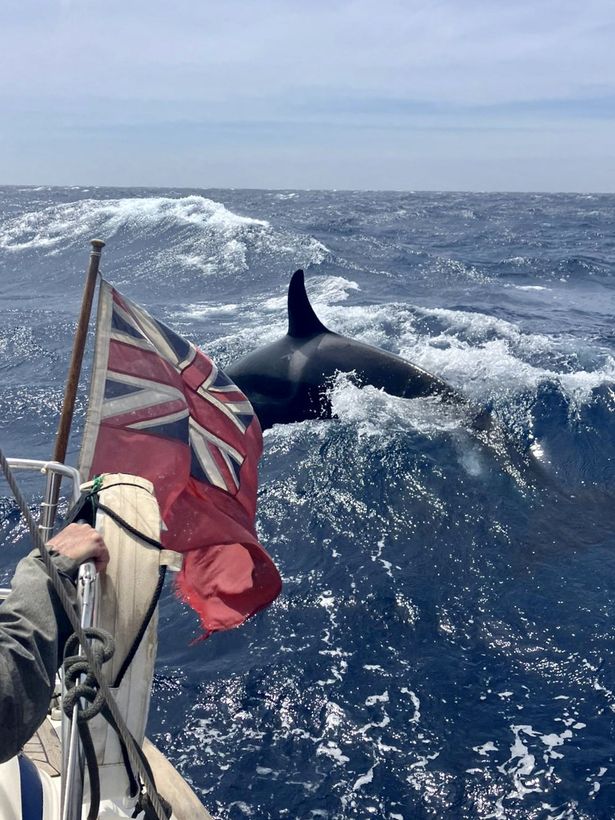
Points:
(161, 409)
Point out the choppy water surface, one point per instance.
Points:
(443, 647)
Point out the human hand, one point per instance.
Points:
(81, 543)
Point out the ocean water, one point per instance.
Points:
(444, 644)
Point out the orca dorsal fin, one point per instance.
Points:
(302, 321)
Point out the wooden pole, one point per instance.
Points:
(74, 369)
(49, 507)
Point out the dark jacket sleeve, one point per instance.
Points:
(33, 631)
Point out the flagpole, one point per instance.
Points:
(72, 382)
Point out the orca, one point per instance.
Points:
(288, 380)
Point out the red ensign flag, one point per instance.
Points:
(161, 409)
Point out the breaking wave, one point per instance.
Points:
(201, 236)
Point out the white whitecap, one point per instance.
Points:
(323, 291)
(207, 237)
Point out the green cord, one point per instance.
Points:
(97, 484)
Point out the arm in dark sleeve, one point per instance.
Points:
(33, 631)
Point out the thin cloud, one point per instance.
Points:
(470, 52)
(361, 64)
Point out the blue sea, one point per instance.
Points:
(444, 643)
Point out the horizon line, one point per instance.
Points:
(39, 186)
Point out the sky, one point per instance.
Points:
(362, 94)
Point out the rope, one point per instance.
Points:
(139, 637)
(122, 729)
(119, 520)
(76, 665)
(92, 764)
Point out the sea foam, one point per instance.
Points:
(204, 236)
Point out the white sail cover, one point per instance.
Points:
(125, 593)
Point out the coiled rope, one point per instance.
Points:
(76, 665)
(134, 753)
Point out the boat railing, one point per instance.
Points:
(54, 472)
(73, 763)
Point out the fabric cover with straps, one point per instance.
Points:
(125, 593)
